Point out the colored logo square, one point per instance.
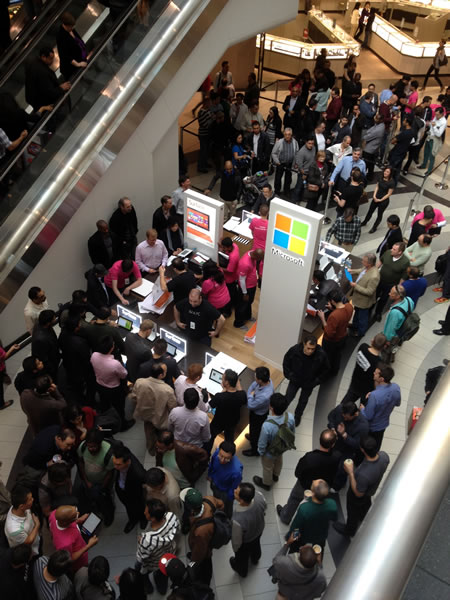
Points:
(282, 222)
(297, 246)
(281, 239)
(300, 230)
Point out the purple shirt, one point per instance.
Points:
(108, 370)
(151, 257)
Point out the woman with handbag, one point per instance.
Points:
(315, 182)
(5, 379)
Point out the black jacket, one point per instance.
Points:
(317, 465)
(41, 84)
(69, 49)
(264, 148)
(355, 430)
(43, 448)
(393, 236)
(133, 492)
(159, 220)
(96, 295)
(138, 350)
(230, 185)
(308, 371)
(173, 371)
(97, 249)
(292, 120)
(76, 354)
(44, 345)
(124, 224)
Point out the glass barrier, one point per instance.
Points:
(113, 44)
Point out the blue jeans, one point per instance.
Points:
(361, 320)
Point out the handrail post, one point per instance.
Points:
(411, 203)
(326, 217)
(276, 91)
(388, 141)
(442, 185)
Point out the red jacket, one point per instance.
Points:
(334, 109)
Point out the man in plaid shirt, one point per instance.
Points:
(346, 230)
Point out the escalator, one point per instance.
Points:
(120, 135)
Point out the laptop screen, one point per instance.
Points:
(247, 216)
(125, 323)
(208, 358)
(171, 350)
(135, 319)
(173, 340)
(215, 376)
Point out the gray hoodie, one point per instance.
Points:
(296, 582)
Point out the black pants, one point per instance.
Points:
(233, 290)
(370, 162)
(114, 397)
(353, 395)
(215, 429)
(221, 495)
(380, 207)
(436, 75)
(133, 506)
(243, 311)
(283, 169)
(304, 396)
(378, 437)
(413, 155)
(446, 325)
(203, 571)
(357, 509)
(383, 290)
(290, 508)
(255, 423)
(334, 352)
(248, 551)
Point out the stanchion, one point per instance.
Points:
(442, 185)
(327, 220)
(410, 210)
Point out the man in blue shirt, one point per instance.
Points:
(272, 465)
(225, 474)
(344, 169)
(258, 399)
(400, 304)
(415, 286)
(381, 402)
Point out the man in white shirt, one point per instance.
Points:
(151, 253)
(319, 136)
(338, 151)
(434, 140)
(178, 197)
(37, 302)
(224, 78)
(21, 526)
(238, 113)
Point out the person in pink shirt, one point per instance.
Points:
(214, 288)
(413, 98)
(63, 523)
(110, 375)
(439, 221)
(230, 271)
(258, 227)
(248, 282)
(119, 280)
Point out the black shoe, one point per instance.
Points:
(247, 436)
(297, 420)
(127, 425)
(234, 567)
(278, 508)
(275, 478)
(404, 172)
(440, 332)
(249, 453)
(341, 528)
(364, 223)
(259, 482)
(129, 526)
(441, 322)
(378, 318)
(373, 230)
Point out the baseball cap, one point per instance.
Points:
(192, 498)
(100, 269)
(164, 562)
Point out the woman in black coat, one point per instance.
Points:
(71, 48)
(316, 181)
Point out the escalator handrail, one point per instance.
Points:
(34, 131)
(30, 44)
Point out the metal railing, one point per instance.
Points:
(383, 553)
(442, 185)
(276, 83)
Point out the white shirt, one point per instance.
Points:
(320, 138)
(17, 529)
(151, 257)
(31, 313)
(292, 102)
(255, 143)
(438, 128)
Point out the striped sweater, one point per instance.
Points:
(155, 543)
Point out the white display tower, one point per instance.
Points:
(291, 248)
(203, 223)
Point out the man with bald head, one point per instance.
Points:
(230, 188)
(66, 535)
(104, 245)
(123, 223)
(151, 253)
(299, 575)
(318, 464)
(198, 318)
(248, 282)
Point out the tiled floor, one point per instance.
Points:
(425, 350)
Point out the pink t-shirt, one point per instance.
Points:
(247, 269)
(411, 100)
(438, 218)
(115, 273)
(231, 272)
(217, 294)
(258, 227)
(68, 539)
(2, 360)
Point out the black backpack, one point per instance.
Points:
(441, 265)
(410, 325)
(222, 526)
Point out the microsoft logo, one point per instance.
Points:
(290, 234)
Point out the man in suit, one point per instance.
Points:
(130, 478)
(259, 144)
(291, 106)
(44, 343)
(103, 246)
(97, 292)
(393, 235)
(363, 292)
(162, 214)
(123, 223)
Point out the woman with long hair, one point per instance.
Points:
(380, 201)
(214, 288)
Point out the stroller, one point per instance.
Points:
(252, 188)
